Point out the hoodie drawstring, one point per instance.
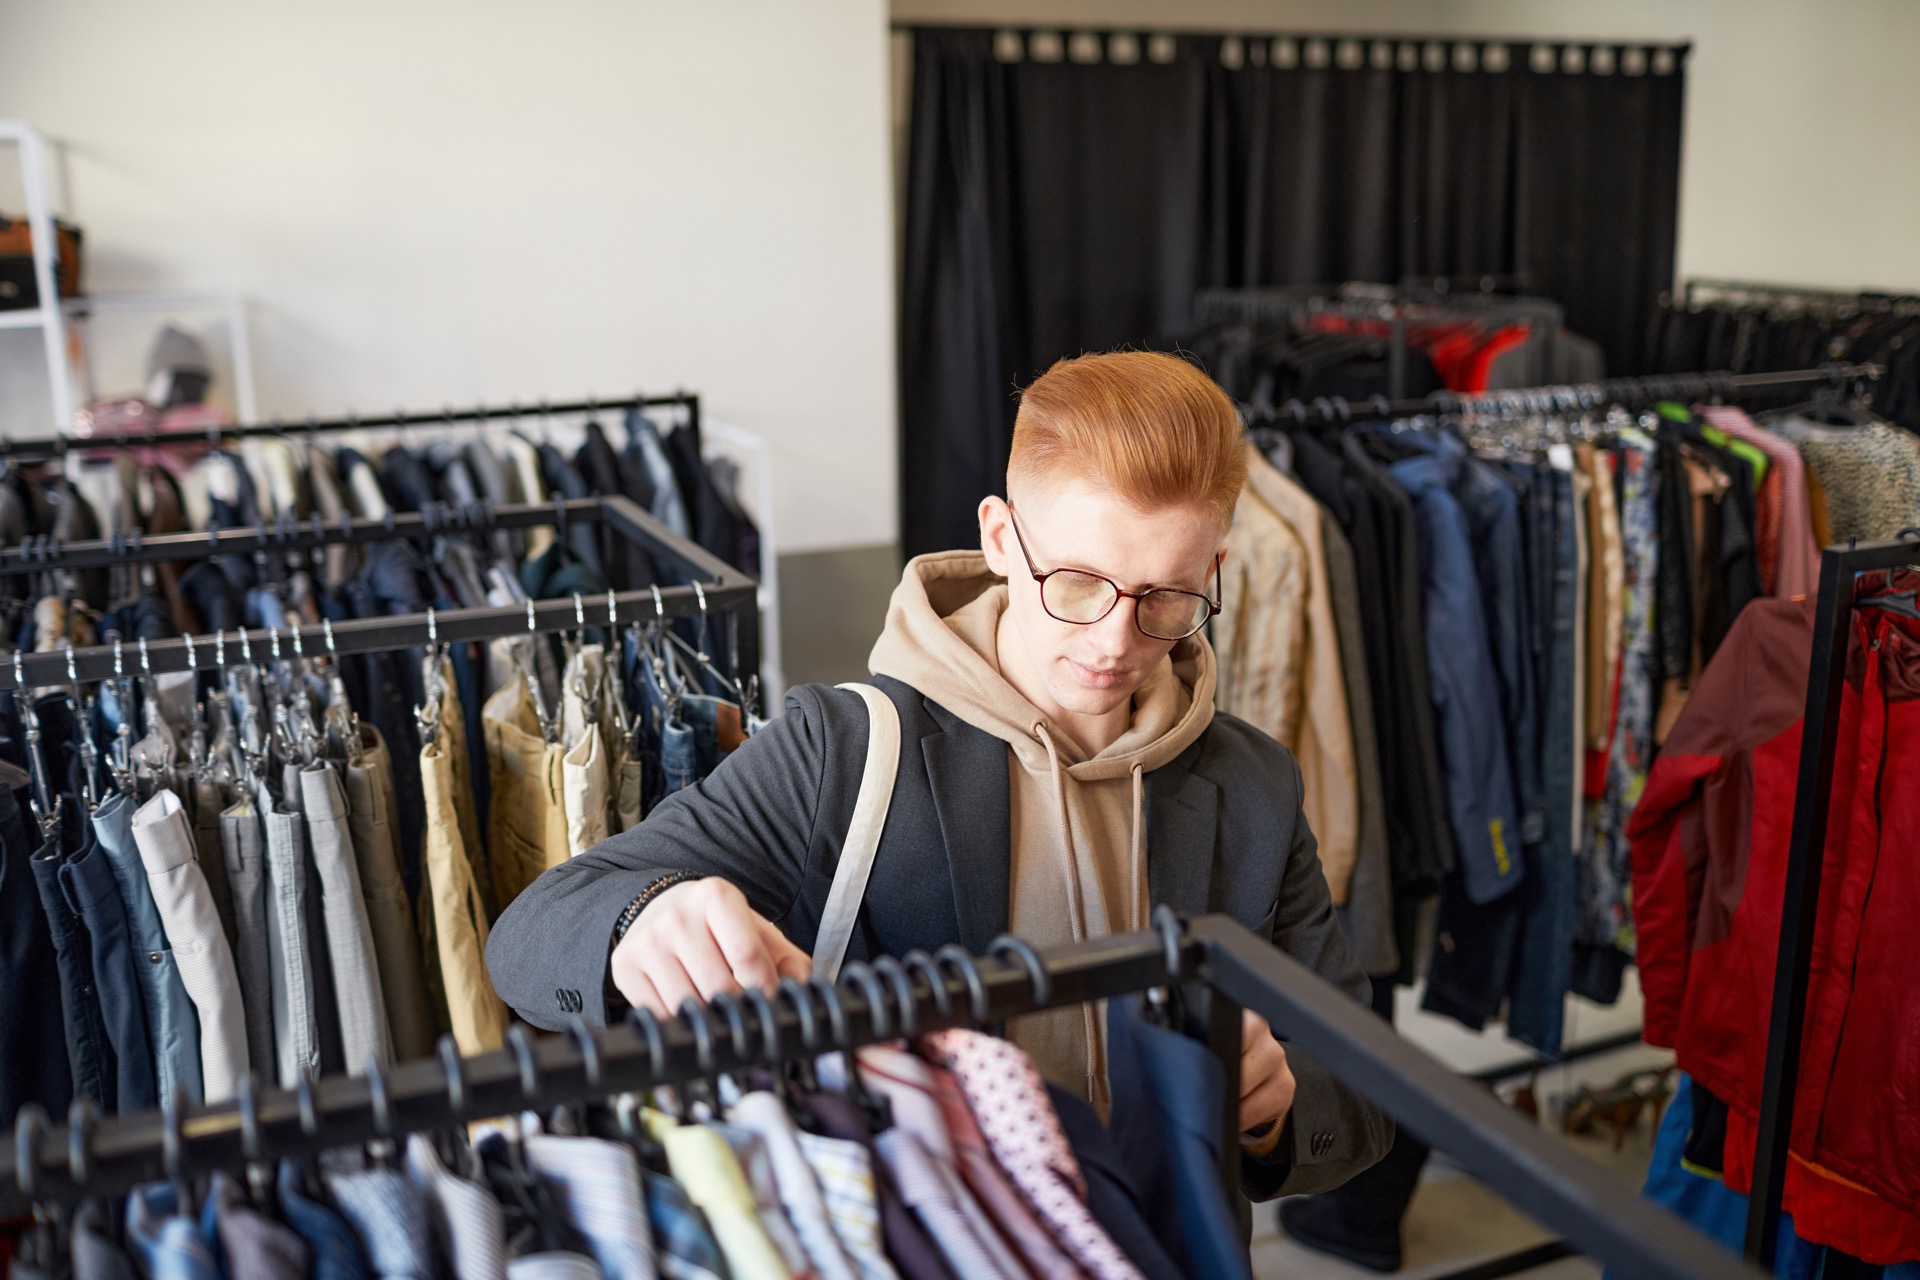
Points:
(1137, 852)
(1076, 914)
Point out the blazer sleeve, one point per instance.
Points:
(1333, 1132)
(749, 822)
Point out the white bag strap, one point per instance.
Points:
(863, 833)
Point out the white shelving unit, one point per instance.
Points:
(48, 317)
(71, 380)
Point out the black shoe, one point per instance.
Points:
(1298, 1219)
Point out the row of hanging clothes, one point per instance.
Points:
(185, 484)
(943, 1157)
(286, 858)
(1357, 341)
(1475, 629)
(1757, 328)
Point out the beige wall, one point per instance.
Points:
(433, 201)
(1802, 156)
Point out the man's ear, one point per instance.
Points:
(996, 525)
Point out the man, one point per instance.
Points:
(1062, 771)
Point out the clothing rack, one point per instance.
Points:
(1820, 735)
(45, 448)
(1632, 391)
(1703, 292)
(717, 588)
(1219, 964)
(1397, 307)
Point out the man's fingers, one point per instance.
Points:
(671, 982)
(743, 944)
(789, 961)
(1271, 1099)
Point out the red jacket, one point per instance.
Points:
(1709, 844)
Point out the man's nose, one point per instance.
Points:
(1114, 634)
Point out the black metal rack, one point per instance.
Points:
(1820, 736)
(716, 588)
(48, 447)
(1576, 396)
(1217, 962)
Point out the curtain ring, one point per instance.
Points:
(648, 1026)
(28, 1124)
(582, 1036)
(924, 965)
(955, 956)
(895, 976)
(521, 1042)
(1021, 950)
(836, 1011)
(877, 1012)
(1167, 922)
(82, 1116)
(456, 1072)
(796, 994)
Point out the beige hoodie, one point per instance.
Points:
(1078, 825)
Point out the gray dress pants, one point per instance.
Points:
(356, 975)
(290, 948)
(243, 843)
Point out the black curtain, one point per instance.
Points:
(1076, 201)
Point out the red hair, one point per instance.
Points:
(1151, 427)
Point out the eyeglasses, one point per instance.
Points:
(1081, 598)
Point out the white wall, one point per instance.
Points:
(1802, 153)
(434, 201)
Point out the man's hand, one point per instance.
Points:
(1266, 1081)
(701, 939)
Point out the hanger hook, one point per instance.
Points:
(796, 994)
(1022, 951)
(246, 647)
(769, 1023)
(220, 648)
(895, 975)
(695, 1015)
(19, 674)
(659, 605)
(72, 677)
(28, 1124)
(521, 1042)
(456, 1072)
(613, 610)
(700, 594)
(955, 957)
(878, 1014)
(579, 613)
(378, 1100)
(729, 1005)
(1167, 922)
(293, 624)
(326, 629)
(836, 1010)
(923, 964)
(648, 1026)
(193, 659)
(433, 631)
(582, 1036)
(119, 672)
(82, 1116)
(531, 628)
(309, 1105)
(173, 1146)
(248, 1098)
(146, 659)
(273, 642)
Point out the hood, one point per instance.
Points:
(942, 637)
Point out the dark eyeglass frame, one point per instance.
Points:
(1119, 592)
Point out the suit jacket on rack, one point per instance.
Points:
(1225, 834)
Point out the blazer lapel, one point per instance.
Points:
(1182, 830)
(967, 771)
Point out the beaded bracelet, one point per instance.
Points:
(647, 895)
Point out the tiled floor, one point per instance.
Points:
(1455, 1221)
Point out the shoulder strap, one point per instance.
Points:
(863, 833)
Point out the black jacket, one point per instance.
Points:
(1225, 833)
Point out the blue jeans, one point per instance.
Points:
(1538, 1008)
(683, 736)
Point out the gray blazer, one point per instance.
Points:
(1225, 833)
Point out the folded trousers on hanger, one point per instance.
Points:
(356, 978)
(243, 847)
(396, 943)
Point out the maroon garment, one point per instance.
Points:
(908, 1245)
(1710, 839)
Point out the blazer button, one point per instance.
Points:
(1322, 1142)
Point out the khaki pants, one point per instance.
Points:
(478, 1016)
(527, 825)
